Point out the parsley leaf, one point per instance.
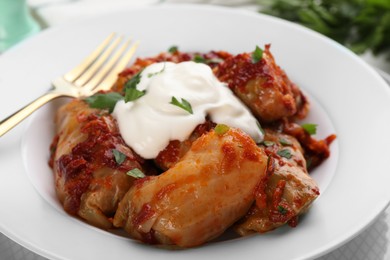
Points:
(133, 82)
(358, 24)
(156, 73)
(104, 101)
(131, 91)
(268, 143)
(282, 210)
(214, 60)
(173, 49)
(132, 94)
(184, 104)
(136, 173)
(220, 129)
(199, 59)
(119, 156)
(284, 142)
(286, 153)
(310, 128)
(257, 55)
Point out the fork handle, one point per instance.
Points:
(17, 117)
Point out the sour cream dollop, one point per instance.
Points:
(150, 122)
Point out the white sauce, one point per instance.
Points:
(149, 123)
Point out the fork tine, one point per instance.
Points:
(109, 81)
(105, 69)
(89, 73)
(76, 72)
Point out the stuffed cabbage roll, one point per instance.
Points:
(90, 161)
(197, 199)
(263, 86)
(288, 190)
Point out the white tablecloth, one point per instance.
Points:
(372, 244)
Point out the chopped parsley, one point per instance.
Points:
(257, 55)
(184, 104)
(132, 94)
(156, 73)
(284, 142)
(131, 91)
(286, 153)
(214, 60)
(104, 101)
(136, 173)
(133, 82)
(310, 128)
(173, 49)
(282, 210)
(199, 59)
(119, 156)
(268, 143)
(221, 129)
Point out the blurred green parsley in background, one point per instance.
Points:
(360, 25)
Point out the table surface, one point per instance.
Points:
(373, 243)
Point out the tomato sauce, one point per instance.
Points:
(238, 70)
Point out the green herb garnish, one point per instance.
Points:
(133, 82)
(214, 60)
(268, 143)
(132, 94)
(257, 54)
(104, 101)
(119, 156)
(282, 210)
(221, 129)
(156, 73)
(136, 173)
(284, 142)
(173, 49)
(184, 104)
(358, 24)
(286, 153)
(131, 91)
(199, 59)
(310, 128)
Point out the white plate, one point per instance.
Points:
(349, 99)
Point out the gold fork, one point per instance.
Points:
(96, 72)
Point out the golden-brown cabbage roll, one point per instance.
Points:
(288, 191)
(263, 86)
(202, 195)
(90, 161)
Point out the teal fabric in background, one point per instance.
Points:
(16, 23)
